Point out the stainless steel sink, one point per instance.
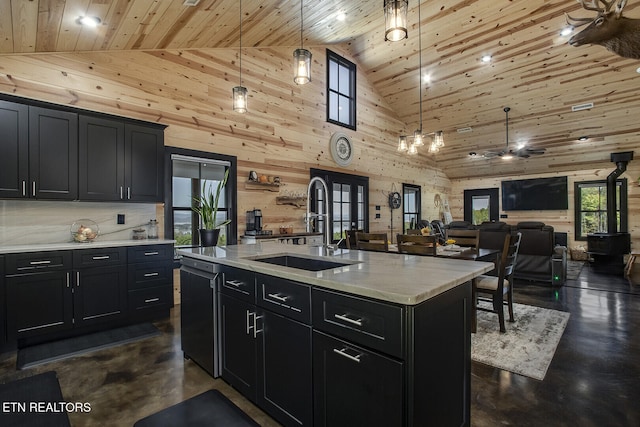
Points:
(302, 263)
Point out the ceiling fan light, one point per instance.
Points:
(395, 20)
(507, 156)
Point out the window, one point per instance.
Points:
(481, 205)
(411, 205)
(189, 173)
(591, 207)
(341, 91)
(480, 209)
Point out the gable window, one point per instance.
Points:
(341, 91)
(591, 207)
(410, 206)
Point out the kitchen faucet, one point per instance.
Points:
(326, 239)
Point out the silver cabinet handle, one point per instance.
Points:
(77, 278)
(68, 279)
(343, 352)
(33, 189)
(128, 193)
(278, 297)
(150, 253)
(151, 300)
(97, 258)
(249, 314)
(48, 261)
(151, 274)
(235, 283)
(121, 195)
(343, 317)
(24, 188)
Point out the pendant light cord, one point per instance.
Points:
(301, 24)
(420, 60)
(240, 51)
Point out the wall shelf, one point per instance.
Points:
(268, 186)
(297, 201)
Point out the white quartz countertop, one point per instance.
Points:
(8, 249)
(397, 278)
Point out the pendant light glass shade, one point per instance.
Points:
(240, 99)
(418, 138)
(402, 143)
(395, 19)
(412, 149)
(433, 148)
(301, 58)
(438, 139)
(302, 64)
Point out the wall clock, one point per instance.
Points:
(341, 149)
(395, 200)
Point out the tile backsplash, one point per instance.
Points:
(35, 222)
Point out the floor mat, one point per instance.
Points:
(210, 409)
(62, 349)
(33, 402)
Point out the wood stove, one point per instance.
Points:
(608, 249)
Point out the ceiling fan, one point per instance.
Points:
(523, 152)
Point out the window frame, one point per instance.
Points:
(230, 193)
(349, 94)
(417, 190)
(621, 205)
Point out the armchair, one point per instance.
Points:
(538, 258)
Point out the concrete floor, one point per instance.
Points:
(592, 380)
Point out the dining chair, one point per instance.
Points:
(469, 238)
(496, 287)
(417, 244)
(350, 237)
(372, 242)
(413, 232)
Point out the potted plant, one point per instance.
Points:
(207, 207)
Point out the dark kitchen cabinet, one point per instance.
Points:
(3, 318)
(150, 280)
(38, 153)
(266, 348)
(120, 161)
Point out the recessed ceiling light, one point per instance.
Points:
(89, 21)
(638, 70)
(486, 58)
(583, 138)
(341, 16)
(566, 31)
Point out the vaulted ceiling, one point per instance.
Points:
(533, 69)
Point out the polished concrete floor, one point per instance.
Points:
(593, 380)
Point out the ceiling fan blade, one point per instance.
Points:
(491, 154)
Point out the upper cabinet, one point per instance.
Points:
(38, 152)
(120, 161)
(61, 154)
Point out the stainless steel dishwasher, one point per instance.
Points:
(199, 313)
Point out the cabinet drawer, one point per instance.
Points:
(159, 297)
(37, 261)
(150, 274)
(147, 253)
(239, 284)
(371, 323)
(99, 257)
(283, 296)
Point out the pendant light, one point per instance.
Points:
(402, 143)
(395, 20)
(240, 92)
(301, 58)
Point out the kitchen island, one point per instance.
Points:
(332, 338)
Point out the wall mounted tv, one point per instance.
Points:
(539, 194)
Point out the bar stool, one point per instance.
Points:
(630, 261)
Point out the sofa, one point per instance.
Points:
(539, 259)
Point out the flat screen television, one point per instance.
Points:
(538, 194)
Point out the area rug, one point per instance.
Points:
(34, 401)
(573, 269)
(62, 349)
(527, 347)
(210, 409)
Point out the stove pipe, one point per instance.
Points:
(621, 160)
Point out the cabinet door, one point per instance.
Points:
(238, 344)
(101, 159)
(14, 150)
(53, 154)
(144, 163)
(100, 295)
(354, 386)
(3, 328)
(285, 387)
(38, 303)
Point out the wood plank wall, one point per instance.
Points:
(562, 221)
(284, 133)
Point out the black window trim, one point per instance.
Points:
(624, 213)
(418, 213)
(332, 56)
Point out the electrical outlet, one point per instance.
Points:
(377, 216)
(120, 218)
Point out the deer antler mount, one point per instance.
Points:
(609, 28)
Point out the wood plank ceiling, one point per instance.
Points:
(533, 70)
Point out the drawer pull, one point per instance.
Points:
(48, 261)
(151, 253)
(151, 274)
(343, 352)
(147, 301)
(235, 283)
(278, 297)
(101, 257)
(343, 317)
